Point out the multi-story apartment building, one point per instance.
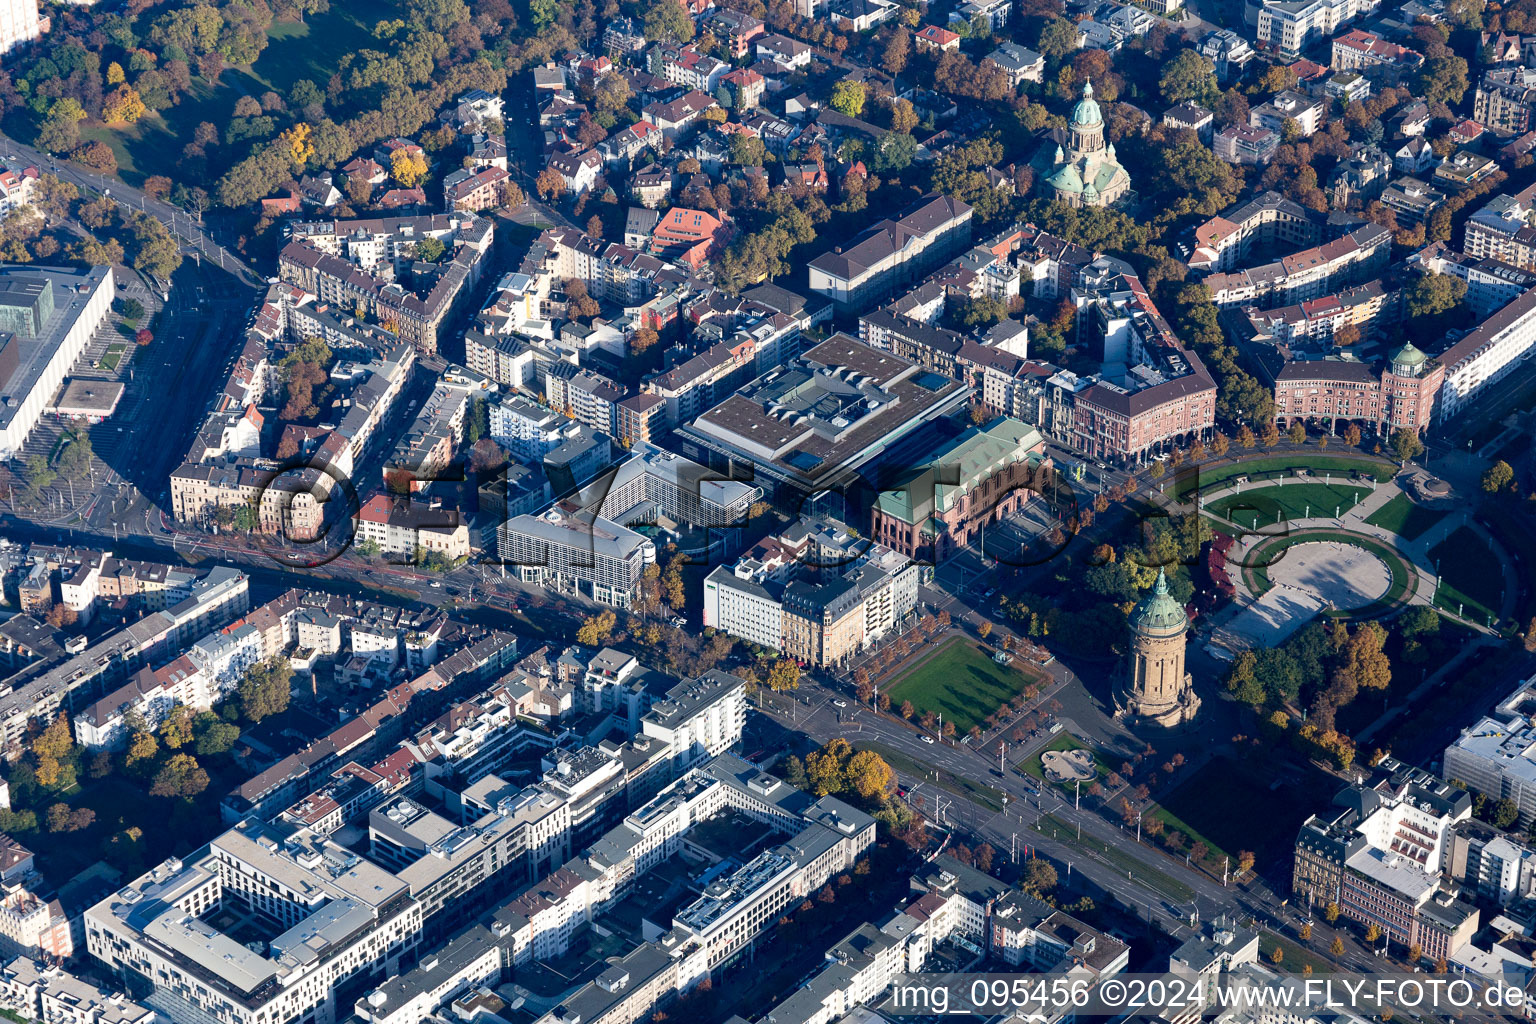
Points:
(1313, 324)
(476, 189)
(1487, 354)
(687, 67)
(1359, 50)
(207, 673)
(585, 397)
(1378, 857)
(1289, 107)
(429, 444)
(1497, 868)
(612, 272)
(1267, 221)
(42, 688)
(1505, 98)
(49, 993)
(343, 262)
(892, 253)
(1504, 229)
(1245, 144)
(344, 921)
(401, 526)
(31, 925)
(19, 24)
(694, 385)
(16, 188)
(1357, 256)
(1291, 26)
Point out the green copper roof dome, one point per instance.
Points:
(1409, 355)
(1067, 179)
(1158, 614)
(1087, 111)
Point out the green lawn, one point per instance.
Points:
(1294, 957)
(1469, 577)
(1287, 501)
(312, 49)
(1404, 518)
(968, 789)
(1233, 805)
(1277, 466)
(112, 357)
(1156, 880)
(962, 683)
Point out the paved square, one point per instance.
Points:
(1341, 575)
(1306, 578)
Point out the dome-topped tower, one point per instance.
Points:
(1408, 361)
(1156, 688)
(1087, 109)
(1087, 173)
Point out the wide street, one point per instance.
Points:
(186, 226)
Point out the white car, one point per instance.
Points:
(435, 585)
(839, 703)
(927, 739)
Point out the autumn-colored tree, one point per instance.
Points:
(596, 629)
(984, 630)
(407, 167)
(784, 675)
(1337, 947)
(122, 106)
(643, 340)
(299, 149)
(1039, 876)
(869, 776)
(180, 776)
(579, 303)
(550, 185)
(61, 615)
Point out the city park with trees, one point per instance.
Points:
(130, 805)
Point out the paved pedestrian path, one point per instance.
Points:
(1354, 520)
